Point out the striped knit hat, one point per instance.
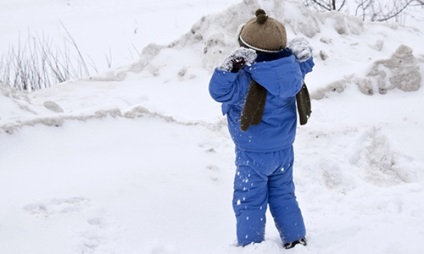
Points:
(263, 33)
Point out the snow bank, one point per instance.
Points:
(14, 104)
(334, 36)
(401, 71)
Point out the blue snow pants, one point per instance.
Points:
(262, 179)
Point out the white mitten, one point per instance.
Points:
(238, 59)
(300, 48)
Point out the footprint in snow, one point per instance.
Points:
(92, 238)
(57, 206)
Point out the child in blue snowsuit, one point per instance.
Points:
(264, 152)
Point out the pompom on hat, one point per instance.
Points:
(263, 33)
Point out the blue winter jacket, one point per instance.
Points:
(282, 76)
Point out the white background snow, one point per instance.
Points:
(138, 160)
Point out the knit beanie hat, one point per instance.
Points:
(263, 33)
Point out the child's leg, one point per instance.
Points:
(250, 204)
(283, 205)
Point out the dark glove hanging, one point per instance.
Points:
(254, 106)
(303, 104)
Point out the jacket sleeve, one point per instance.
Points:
(306, 66)
(224, 87)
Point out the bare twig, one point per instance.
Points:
(38, 64)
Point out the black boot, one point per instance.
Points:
(290, 245)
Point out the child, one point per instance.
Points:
(257, 86)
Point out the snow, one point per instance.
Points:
(137, 159)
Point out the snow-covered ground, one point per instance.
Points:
(138, 159)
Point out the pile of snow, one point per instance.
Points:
(214, 35)
(138, 159)
(401, 71)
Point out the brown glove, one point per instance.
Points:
(303, 104)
